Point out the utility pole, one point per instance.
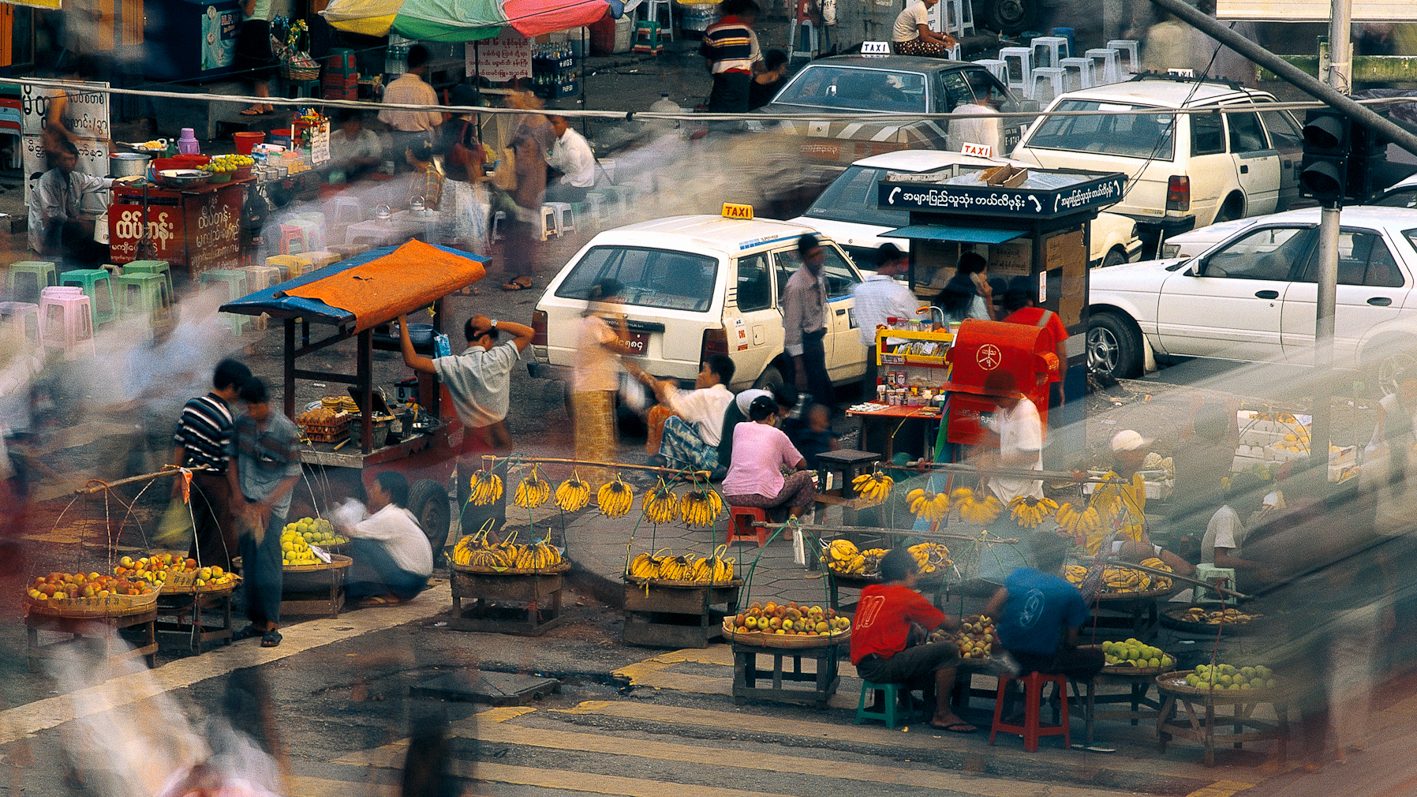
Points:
(1339, 76)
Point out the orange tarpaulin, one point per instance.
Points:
(407, 279)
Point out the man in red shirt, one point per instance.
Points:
(1021, 308)
(889, 618)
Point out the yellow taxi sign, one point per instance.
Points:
(735, 211)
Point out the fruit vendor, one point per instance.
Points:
(1039, 615)
(202, 439)
(63, 208)
(737, 412)
(884, 628)
(265, 467)
(761, 451)
(1020, 433)
(690, 422)
(392, 557)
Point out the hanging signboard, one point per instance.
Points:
(219, 30)
(87, 115)
(1314, 10)
(507, 57)
(975, 198)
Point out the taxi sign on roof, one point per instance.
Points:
(739, 212)
(880, 49)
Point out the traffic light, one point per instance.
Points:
(1328, 138)
(1367, 164)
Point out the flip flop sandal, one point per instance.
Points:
(517, 285)
(956, 727)
(252, 112)
(270, 639)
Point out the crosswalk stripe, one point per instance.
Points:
(1221, 788)
(307, 786)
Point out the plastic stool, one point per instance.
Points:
(802, 41)
(1049, 50)
(1053, 77)
(75, 325)
(1127, 47)
(953, 21)
(154, 267)
(260, 278)
(741, 528)
(87, 279)
(292, 240)
(24, 313)
(141, 293)
(1105, 68)
(289, 265)
(314, 226)
(1211, 573)
(234, 280)
(547, 223)
(1067, 33)
(996, 68)
(344, 211)
(43, 272)
(1017, 61)
(1079, 69)
(652, 9)
(888, 697)
(1032, 728)
(647, 38)
(565, 217)
(322, 257)
(497, 219)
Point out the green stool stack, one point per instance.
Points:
(890, 711)
(154, 267)
(88, 279)
(141, 293)
(235, 282)
(43, 272)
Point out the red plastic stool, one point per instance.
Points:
(1032, 728)
(741, 528)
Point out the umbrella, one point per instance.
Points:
(465, 20)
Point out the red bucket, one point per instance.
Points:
(246, 141)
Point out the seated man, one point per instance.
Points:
(692, 420)
(881, 640)
(392, 556)
(63, 209)
(1039, 615)
(355, 150)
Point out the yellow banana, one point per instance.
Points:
(614, 498)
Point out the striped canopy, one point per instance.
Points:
(465, 20)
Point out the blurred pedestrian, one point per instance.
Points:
(203, 439)
(265, 467)
(879, 298)
(804, 320)
(254, 59)
(392, 556)
(772, 73)
(595, 379)
(731, 48)
(409, 127)
(1021, 308)
(426, 183)
(531, 140)
(466, 204)
(572, 160)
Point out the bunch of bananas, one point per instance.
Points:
(1230, 616)
(843, 557)
(1116, 578)
(1085, 527)
(573, 494)
(533, 491)
(677, 568)
(714, 569)
(1029, 513)
(929, 506)
(540, 556)
(476, 550)
(1158, 582)
(615, 498)
(486, 487)
(973, 509)
(930, 556)
(1075, 574)
(1107, 498)
(659, 504)
(701, 507)
(873, 487)
(645, 567)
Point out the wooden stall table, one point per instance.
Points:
(188, 608)
(508, 602)
(316, 589)
(1190, 713)
(196, 228)
(886, 419)
(104, 628)
(786, 682)
(677, 614)
(1138, 701)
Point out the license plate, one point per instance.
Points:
(1012, 136)
(638, 343)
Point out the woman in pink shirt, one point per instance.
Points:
(760, 451)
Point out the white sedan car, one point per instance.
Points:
(1251, 297)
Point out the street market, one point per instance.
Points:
(970, 397)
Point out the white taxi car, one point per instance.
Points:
(697, 286)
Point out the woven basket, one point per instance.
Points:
(1175, 618)
(563, 567)
(111, 606)
(1176, 682)
(338, 561)
(293, 71)
(1151, 594)
(191, 588)
(1126, 669)
(784, 641)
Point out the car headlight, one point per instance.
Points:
(1170, 250)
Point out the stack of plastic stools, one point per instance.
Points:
(1018, 61)
(1106, 68)
(292, 240)
(1067, 33)
(322, 258)
(75, 319)
(1079, 67)
(339, 80)
(314, 226)
(1032, 728)
(565, 217)
(647, 38)
(1128, 48)
(1049, 50)
(259, 278)
(741, 528)
(234, 281)
(1051, 77)
(141, 294)
(27, 315)
(652, 9)
(88, 279)
(42, 272)
(159, 267)
(995, 67)
(888, 697)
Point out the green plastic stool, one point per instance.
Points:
(88, 279)
(235, 282)
(154, 267)
(43, 272)
(890, 712)
(141, 293)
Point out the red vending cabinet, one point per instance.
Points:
(983, 347)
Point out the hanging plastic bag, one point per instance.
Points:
(799, 548)
(174, 530)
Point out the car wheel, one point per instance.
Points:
(1396, 358)
(1234, 208)
(1116, 256)
(428, 501)
(770, 380)
(1113, 347)
(1011, 16)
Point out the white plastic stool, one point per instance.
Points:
(1105, 69)
(1049, 50)
(27, 316)
(75, 321)
(796, 46)
(996, 68)
(565, 217)
(548, 223)
(952, 53)
(1049, 79)
(953, 21)
(259, 278)
(1079, 69)
(1127, 47)
(1018, 67)
(595, 204)
(497, 219)
(345, 210)
(652, 9)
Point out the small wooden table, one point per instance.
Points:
(677, 615)
(823, 682)
(314, 589)
(188, 609)
(1200, 722)
(103, 629)
(511, 603)
(1140, 705)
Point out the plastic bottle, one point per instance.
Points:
(187, 143)
(665, 105)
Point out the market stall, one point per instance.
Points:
(196, 227)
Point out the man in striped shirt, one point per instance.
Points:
(731, 47)
(203, 434)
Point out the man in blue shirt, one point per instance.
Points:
(1039, 614)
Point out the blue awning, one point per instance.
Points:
(948, 232)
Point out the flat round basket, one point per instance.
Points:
(563, 567)
(1175, 618)
(657, 582)
(1175, 682)
(785, 641)
(1128, 670)
(1122, 597)
(110, 606)
(337, 562)
(170, 588)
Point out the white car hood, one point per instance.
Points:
(1144, 277)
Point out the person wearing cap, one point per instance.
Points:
(1129, 451)
(880, 298)
(755, 477)
(1020, 433)
(1021, 308)
(804, 320)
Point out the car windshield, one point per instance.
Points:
(855, 89)
(658, 278)
(852, 197)
(1146, 135)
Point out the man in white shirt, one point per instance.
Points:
(977, 123)
(392, 556)
(911, 34)
(1020, 431)
(693, 419)
(1226, 532)
(61, 217)
(572, 157)
(878, 299)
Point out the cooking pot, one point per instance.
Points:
(128, 164)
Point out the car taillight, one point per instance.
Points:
(538, 328)
(1178, 193)
(715, 342)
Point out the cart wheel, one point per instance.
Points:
(428, 501)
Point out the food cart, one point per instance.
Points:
(195, 227)
(358, 298)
